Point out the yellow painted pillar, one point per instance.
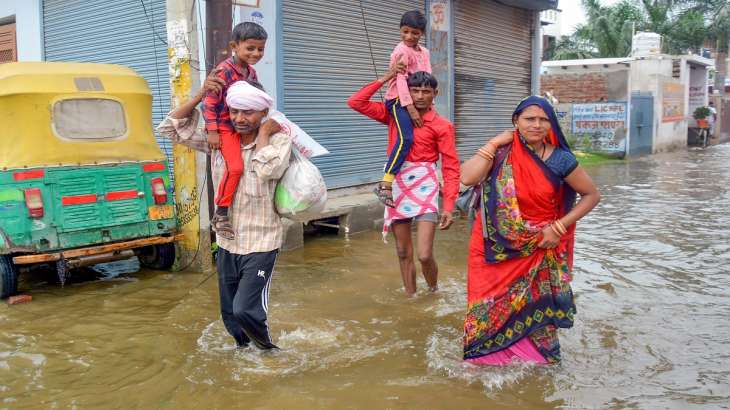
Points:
(187, 192)
(195, 251)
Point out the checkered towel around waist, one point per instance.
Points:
(415, 192)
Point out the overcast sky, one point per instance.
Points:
(572, 14)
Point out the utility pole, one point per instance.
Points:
(182, 42)
(218, 23)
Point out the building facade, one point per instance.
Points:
(552, 26)
(660, 93)
(318, 54)
(485, 54)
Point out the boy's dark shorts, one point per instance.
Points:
(427, 217)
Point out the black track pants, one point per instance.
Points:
(243, 284)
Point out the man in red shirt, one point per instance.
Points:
(416, 187)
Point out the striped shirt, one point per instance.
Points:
(253, 215)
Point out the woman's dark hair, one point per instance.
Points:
(522, 107)
(248, 30)
(518, 112)
(422, 79)
(414, 19)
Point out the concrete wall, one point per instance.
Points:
(694, 76)
(655, 76)
(595, 126)
(27, 17)
(440, 38)
(553, 21)
(265, 15)
(722, 128)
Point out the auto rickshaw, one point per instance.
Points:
(82, 179)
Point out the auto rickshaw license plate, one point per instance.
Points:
(160, 212)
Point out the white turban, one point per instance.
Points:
(243, 96)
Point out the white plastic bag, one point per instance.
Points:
(306, 145)
(301, 192)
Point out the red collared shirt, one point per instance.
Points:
(215, 109)
(435, 138)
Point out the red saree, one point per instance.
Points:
(519, 294)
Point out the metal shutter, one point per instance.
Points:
(492, 69)
(114, 32)
(326, 59)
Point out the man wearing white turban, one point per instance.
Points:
(241, 97)
(245, 261)
(244, 96)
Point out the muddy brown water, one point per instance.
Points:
(651, 283)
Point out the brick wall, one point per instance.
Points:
(8, 47)
(576, 88)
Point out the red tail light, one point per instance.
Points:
(159, 191)
(34, 202)
(26, 175)
(153, 167)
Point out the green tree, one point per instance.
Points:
(717, 16)
(658, 15)
(687, 34)
(570, 48)
(681, 23)
(684, 25)
(609, 29)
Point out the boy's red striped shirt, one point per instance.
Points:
(215, 109)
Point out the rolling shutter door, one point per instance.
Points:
(492, 69)
(326, 59)
(126, 32)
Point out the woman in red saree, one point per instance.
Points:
(521, 250)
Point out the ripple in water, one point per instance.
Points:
(329, 344)
(445, 356)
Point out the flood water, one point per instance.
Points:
(652, 288)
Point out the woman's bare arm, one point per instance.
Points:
(475, 169)
(589, 196)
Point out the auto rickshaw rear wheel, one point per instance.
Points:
(159, 257)
(8, 277)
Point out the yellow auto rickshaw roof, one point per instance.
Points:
(28, 92)
(48, 77)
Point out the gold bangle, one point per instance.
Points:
(556, 230)
(486, 151)
(485, 154)
(485, 148)
(493, 145)
(561, 226)
(482, 155)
